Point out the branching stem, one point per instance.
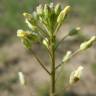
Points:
(75, 53)
(40, 62)
(61, 41)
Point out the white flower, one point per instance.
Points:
(75, 75)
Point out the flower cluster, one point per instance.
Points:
(43, 23)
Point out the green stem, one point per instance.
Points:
(53, 67)
(39, 61)
(57, 28)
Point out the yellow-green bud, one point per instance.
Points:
(67, 56)
(27, 16)
(31, 26)
(27, 37)
(39, 10)
(85, 45)
(74, 31)
(51, 5)
(75, 75)
(45, 42)
(63, 14)
(46, 11)
(29, 20)
(35, 15)
(57, 9)
(21, 78)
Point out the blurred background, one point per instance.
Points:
(14, 57)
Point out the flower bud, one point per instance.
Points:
(30, 21)
(67, 56)
(51, 5)
(35, 15)
(63, 14)
(75, 75)
(24, 35)
(39, 10)
(31, 26)
(74, 31)
(87, 44)
(57, 9)
(46, 11)
(21, 78)
(27, 16)
(27, 37)
(45, 42)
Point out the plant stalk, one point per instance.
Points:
(40, 62)
(52, 93)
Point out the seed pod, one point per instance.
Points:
(74, 31)
(67, 56)
(87, 44)
(45, 42)
(63, 14)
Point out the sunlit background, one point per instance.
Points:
(14, 57)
